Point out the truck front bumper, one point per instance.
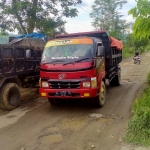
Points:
(68, 93)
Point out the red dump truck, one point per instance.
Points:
(77, 66)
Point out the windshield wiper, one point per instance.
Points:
(52, 62)
(72, 62)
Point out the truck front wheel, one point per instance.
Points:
(100, 99)
(10, 96)
(1, 102)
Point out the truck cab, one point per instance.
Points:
(73, 67)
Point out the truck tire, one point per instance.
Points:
(116, 81)
(99, 101)
(52, 101)
(10, 96)
(1, 102)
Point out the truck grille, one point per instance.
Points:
(64, 84)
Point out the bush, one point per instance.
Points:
(138, 131)
(127, 52)
(147, 48)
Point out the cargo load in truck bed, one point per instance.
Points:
(116, 43)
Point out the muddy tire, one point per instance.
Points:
(10, 96)
(52, 101)
(116, 81)
(1, 102)
(99, 101)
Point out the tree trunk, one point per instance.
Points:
(32, 20)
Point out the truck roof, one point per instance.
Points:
(103, 35)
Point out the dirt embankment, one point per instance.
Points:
(75, 125)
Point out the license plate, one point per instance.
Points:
(63, 93)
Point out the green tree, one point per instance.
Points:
(131, 41)
(3, 33)
(105, 16)
(131, 44)
(141, 14)
(46, 16)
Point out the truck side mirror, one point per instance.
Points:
(28, 53)
(101, 51)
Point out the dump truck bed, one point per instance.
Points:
(13, 61)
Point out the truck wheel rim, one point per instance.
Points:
(102, 94)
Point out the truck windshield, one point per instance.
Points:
(67, 53)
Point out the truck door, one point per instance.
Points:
(100, 66)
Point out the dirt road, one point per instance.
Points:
(36, 125)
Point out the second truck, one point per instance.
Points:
(19, 68)
(78, 65)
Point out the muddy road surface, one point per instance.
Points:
(75, 125)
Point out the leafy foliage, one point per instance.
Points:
(106, 17)
(141, 14)
(3, 33)
(139, 125)
(25, 16)
(131, 44)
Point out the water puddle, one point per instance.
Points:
(51, 139)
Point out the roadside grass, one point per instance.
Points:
(127, 52)
(138, 131)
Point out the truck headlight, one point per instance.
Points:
(86, 84)
(45, 84)
(93, 82)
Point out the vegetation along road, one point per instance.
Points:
(75, 125)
